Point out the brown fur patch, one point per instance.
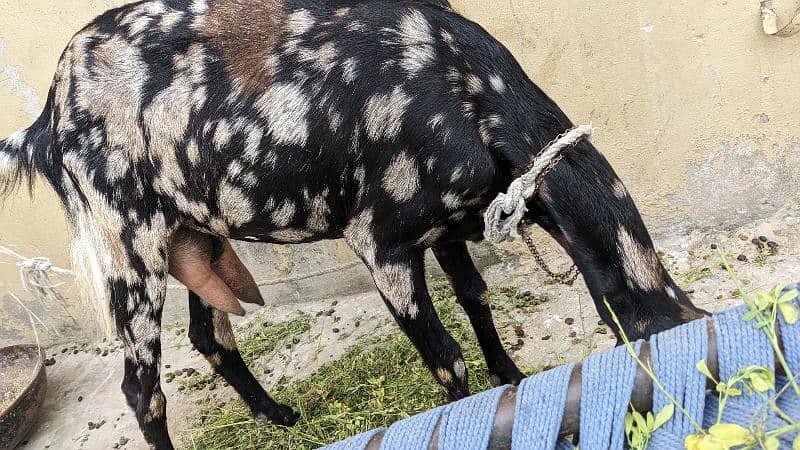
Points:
(245, 32)
(444, 376)
(223, 333)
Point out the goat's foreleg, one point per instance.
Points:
(211, 333)
(399, 275)
(473, 295)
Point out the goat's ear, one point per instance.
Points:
(234, 273)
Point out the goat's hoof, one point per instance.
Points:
(457, 394)
(506, 375)
(281, 415)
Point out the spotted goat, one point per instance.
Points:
(174, 125)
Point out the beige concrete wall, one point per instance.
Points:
(32, 37)
(695, 106)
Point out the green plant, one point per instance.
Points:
(639, 427)
(761, 258)
(264, 340)
(524, 301)
(198, 382)
(763, 310)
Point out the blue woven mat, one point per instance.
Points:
(607, 381)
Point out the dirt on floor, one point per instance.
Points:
(546, 325)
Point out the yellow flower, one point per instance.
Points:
(722, 436)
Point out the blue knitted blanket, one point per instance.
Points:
(607, 382)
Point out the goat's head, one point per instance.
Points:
(586, 208)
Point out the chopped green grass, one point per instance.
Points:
(697, 274)
(198, 382)
(763, 255)
(375, 383)
(264, 341)
(260, 342)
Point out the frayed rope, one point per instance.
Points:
(512, 203)
(35, 274)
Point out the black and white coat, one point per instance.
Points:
(392, 124)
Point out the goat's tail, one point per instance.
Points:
(17, 165)
(23, 155)
(27, 154)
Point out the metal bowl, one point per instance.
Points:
(23, 383)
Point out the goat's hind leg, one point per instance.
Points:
(133, 270)
(211, 333)
(137, 311)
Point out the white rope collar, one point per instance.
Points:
(511, 204)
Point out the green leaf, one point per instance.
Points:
(790, 312)
(762, 379)
(796, 443)
(723, 388)
(750, 315)
(639, 421)
(703, 368)
(692, 441)
(733, 392)
(703, 442)
(636, 435)
(763, 301)
(637, 441)
(764, 324)
(788, 296)
(663, 416)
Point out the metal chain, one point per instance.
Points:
(569, 276)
